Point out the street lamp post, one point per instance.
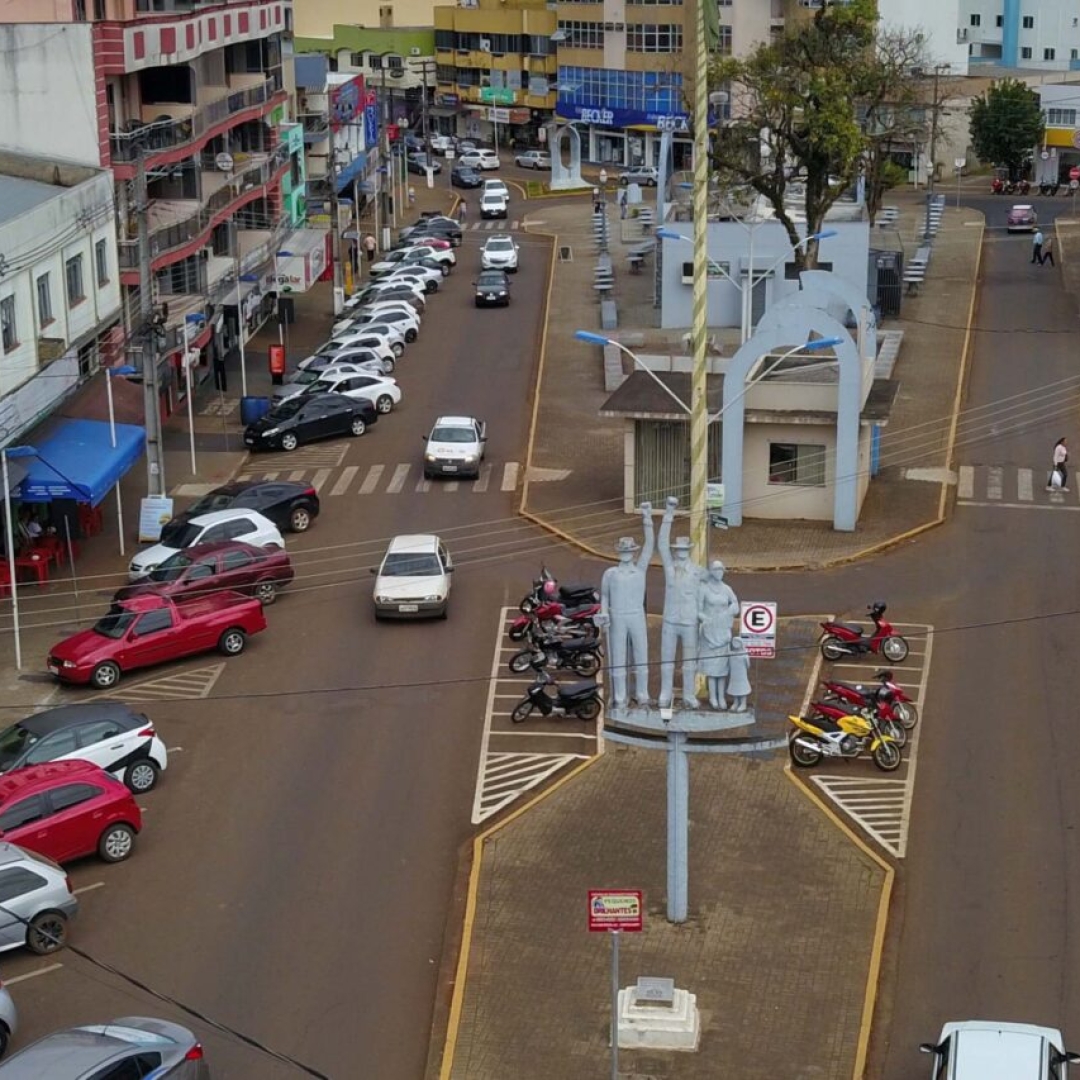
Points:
(110, 374)
(13, 452)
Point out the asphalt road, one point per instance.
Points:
(298, 862)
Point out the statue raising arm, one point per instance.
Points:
(649, 538)
(665, 531)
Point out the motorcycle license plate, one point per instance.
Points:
(408, 608)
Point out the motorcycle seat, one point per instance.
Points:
(585, 688)
(579, 609)
(577, 588)
(855, 628)
(826, 723)
(575, 644)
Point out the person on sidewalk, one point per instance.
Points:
(1061, 457)
(597, 202)
(461, 212)
(622, 204)
(221, 379)
(1047, 254)
(1036, 246)
(369, 247)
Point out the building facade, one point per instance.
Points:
(1033, 35)
(1060, 149)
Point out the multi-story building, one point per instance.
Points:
(191, 96)
(1059, 153)
(1034, 35)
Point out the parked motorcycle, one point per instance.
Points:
(1023, 187)
(879, 711)
(577, 652)
(1011, 187)
(997, 186)
(547, 697)
(848, 639)
(553, 617)
(817, 738)
(546, 589)
(885, 689)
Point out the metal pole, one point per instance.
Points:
(335, 227)
(615, 1004)
(120, 516)
(11, 562)
(155, 451)
(190, 411)
(112, 415)
(678, 827)
(424, 115)
(239, 309)
(747, 294)
(699, 416)
(71, 563)
(933, 150)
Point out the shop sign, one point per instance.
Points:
(496, 95)
(520, 116)
(346, 101)
(499, 116)
(622, 118)
(447, 101)
(294, 137)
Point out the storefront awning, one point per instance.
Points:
(78, 461)
(16, 474)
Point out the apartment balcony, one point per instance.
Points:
(316, 127)
(166, 130)
(180, 7)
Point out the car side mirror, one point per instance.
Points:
(449, 568)
(1071, 1057)
(928, 1048)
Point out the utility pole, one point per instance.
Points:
(935, 106)
(335, 224)
(148, 337)
(424, 65)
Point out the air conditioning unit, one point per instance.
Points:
(485, 44)
(415, 50)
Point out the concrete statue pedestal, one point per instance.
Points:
(645, 1023)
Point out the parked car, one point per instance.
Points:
(493, 204)
(492, 289)
(108, 734)
(443, 256)
(455, 447)
(533, 159)
(123, 1049)
(498, 187)
(358, 337)
(390, 310)
(434, 224)
(300, 382)
(389, 290)
(481, 158)
(425, 273)
(441, 143)
(228, 565)
(430, 240)
(9, 1019)
(238, 523)
(287, 504)
(1022, 218)
(420, 163)
(66, 810)
(466, 176)
(413, 579)
(499, 253)
(153, 629)
(308, 417)
(377, 356)
(642, 175)
(997, 1050)
(383, 393)
(37, 906)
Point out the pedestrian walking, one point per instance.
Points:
(1036, 246)
(1061, 457)
(369, 247)
(1047, 254)
(622, 204)
(461, 212)
(221, 378)
(412, 197)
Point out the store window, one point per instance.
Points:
(582, 35)
(654, 37)
(802, 464)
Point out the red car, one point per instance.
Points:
(152, 629)
(67, 809)
(216, 567)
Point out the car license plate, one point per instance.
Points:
(449, 468)
(54, 668)
(408, 608)
(249, 442)
(490, 296)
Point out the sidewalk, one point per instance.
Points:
(586, 505)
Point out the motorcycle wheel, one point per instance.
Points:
(586, 664)
(522, 711)
(887, 756)
(803, 756)
(520, 662)
(907, 714)
(895, 730)
(895, 649)
(831, 648)
(517, 633)
(589, 710)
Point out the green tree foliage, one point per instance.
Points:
(1006, 122)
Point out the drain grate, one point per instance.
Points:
(566, 254)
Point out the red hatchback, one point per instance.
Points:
(67, 809)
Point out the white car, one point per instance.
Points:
(414, 579)
(498, 187)
(404, 317)
(403, 256)
(479, 159)
(493, 205)
(379, 291)
(499, 253)
(533, 159)
(441, 143)
(378, 350)
(237, 524)
(429, 278)
(384, 393)
(384, 332)
(301, 380)
(455, 447)
(994, 1050)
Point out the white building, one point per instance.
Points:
(60, 297)
(1034, 35)
(941, 21)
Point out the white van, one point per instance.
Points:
(996, 1050)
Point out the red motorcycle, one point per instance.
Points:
(551, 617)
(547, 588)
(842, 639)
(879, 711)
(997, 186)
(884, 690)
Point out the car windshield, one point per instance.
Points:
(489, 280)
(171, 568)
(453, 434)
(286, 410)
(180, 534)
(115, 625)
(410, 564)
(308, 376)
(14, 742)
(500, 243)
(209, 503)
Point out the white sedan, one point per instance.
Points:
(499, 253)
(403, 256)
(479, 159)
(498, 187)
(383, 392)
(429, 278)
(405, 317)
(387, 334)
(413, 580)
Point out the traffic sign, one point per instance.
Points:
(757, 619)
(616, 909)
(1074, 173)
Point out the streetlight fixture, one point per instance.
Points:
(13, 452)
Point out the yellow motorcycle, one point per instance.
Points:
(820, 737)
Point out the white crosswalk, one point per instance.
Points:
(336, 481)
(1012, 487)
(492, 225)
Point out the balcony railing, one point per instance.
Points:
(167, 134)
(178, 7)
(167, 237)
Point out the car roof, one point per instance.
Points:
(213, 517)
(1023, 206)
(413, 543)
(454, 421)
(988, 1050)
(35, 777)
(499, 237)
(43, 723)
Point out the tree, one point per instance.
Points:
(1006, 123)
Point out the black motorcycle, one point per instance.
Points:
(546, 588)
(547, 697)
(580, 653)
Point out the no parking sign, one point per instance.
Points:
(758, 621)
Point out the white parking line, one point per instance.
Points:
(371, 481)
(549, 734)
(32, 974)
(510, 476)
(88, 888)
(345, 480)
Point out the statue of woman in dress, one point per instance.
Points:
(718, 607)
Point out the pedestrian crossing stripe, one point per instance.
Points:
(1011, 487)
(389, 479)
(507, 777)
(488, 226)
(312, 456)
(880, 807)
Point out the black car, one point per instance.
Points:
(434, 225)
(306, 418)
(288, 505)
(420, 163)
(465, 176)
(492, 289)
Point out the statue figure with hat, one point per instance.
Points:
(622, 612)
(682, 582)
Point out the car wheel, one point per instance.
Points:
(266, 593)
(398, 349)
(5, 1038)
(358, 426)
(47, 932)
(289, 441)
(384, 403)
(117, 842)
(141, 776)
(105, 675)
(431, 286)
(232, 641)
(299, 519)
(410, 335)
(388, 366)
(445, 268)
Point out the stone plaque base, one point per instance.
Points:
(644, 1026)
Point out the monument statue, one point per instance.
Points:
(739, 680)
(622, 612)
(718, 607)
(682, 580)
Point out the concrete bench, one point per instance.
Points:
(636, 263)
(604, 263)
(609, 320)
(604, 287)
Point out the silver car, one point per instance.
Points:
(36, 901)
(9, 1019)
(128, 1047)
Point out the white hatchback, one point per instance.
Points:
(479, 159)
(413, 580)
(498, 187)
(384, 393)
(499, 253)
(993, 1050)
(237, 524)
